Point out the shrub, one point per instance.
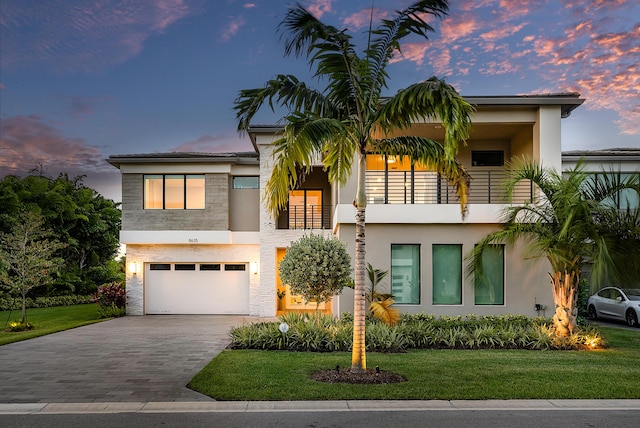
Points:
(111, 300)
(10, 304)
(325, 333)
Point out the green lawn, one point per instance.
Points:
(433, 374)
(48, 320)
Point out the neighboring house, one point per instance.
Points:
(199, 239)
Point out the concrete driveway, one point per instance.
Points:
(141, 359)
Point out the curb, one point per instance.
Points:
(316, 406)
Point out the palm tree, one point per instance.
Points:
(349, 118)
(568, 223)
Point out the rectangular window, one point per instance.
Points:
(246, 182)
(185, 266)
(159, 266)
(489, 286)
(174, 191)
(487, 158)
(235, 267)
(447, 274)
(213, 266)
(405, 273)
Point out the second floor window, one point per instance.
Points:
(174, 191)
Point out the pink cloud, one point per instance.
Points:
(27, 141)
(501, 33)
(232, 28)
(362, 18)
(319, 7)
(249, 5)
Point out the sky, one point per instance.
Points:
(81, 80)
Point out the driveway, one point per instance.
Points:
(140, 359)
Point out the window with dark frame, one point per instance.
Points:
(487, 158)
(174, 191)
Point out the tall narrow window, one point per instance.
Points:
(153, 192)
(305, 209)
(405, 273)
(173, 192)
(195, 192)
(489, 285)
(447, 274)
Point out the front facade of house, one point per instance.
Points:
(199, 239)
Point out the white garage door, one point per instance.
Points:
(196, 288)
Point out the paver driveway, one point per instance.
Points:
(146, 358)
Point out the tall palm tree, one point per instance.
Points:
(570, 222)
(349, 118)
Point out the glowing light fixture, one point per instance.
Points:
(254, 267)
(133, 268)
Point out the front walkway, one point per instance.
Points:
(130, 359)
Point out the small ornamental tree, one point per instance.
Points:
(316, 268)
(28, 256)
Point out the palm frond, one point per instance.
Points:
(432, 99)
(283, 91)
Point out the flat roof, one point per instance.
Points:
(185, 157)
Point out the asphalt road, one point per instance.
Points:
(368, 419)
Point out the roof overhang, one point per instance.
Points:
(240, 158)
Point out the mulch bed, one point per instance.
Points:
(371, 376)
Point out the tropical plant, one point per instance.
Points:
(565, 222)
(316, 267)
(380, 303)
(349, 118)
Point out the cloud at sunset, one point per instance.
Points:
(27, 141)
(585, 51)
(102, 34)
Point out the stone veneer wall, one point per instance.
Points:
(215, 216)
(142, 254)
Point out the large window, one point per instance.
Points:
(305, 209)
(405, 273)
(489, 285)
(174, 191)
(447, 274)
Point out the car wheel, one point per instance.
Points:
(632, 319)
(592, 312)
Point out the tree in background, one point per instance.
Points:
(317, 268)
(350, 118)
(28, 257)
(78, 216)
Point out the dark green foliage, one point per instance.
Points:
(77, 216)
(8, 303)
(326, 334)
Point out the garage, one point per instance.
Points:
(196, 288)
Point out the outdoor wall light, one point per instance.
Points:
(133, 268)
(254, 267)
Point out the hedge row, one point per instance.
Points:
(7, 304)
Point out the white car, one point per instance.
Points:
(615, 303)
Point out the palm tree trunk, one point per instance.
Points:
(358, 353)
(565, 298)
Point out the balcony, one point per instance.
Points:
(305, 217)
(425, 187)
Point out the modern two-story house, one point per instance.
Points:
(199, 239)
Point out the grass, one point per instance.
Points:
(433, 374)
(48, 320)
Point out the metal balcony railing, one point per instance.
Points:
(424, 187)
(305, 217)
